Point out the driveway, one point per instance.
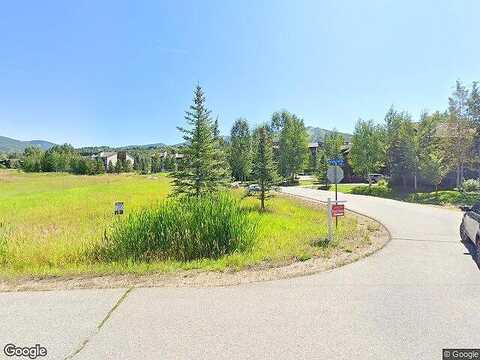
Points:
(418, 295)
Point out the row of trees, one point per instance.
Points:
(64, 158)
(147, 162)
(205, 167)
(427, 150)
(290, 138)
(273, 151)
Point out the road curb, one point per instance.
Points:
(390, 237)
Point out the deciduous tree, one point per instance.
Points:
(293, 145)
(459, 135)
(368, 147)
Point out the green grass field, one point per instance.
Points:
(48, 222)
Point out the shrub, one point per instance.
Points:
(383, 183)
(375, 190)
(471, 185)
(181, 229)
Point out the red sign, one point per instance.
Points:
(338, 210)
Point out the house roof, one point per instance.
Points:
(107, 153)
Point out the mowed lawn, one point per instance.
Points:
(49, 223)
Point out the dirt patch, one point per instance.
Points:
(356, 249)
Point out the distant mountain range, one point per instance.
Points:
(10, 145)
(318, 134)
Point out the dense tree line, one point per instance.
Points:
(410, 152)
(424, 151)
(64, 158)
(289, 141)
(210, 162)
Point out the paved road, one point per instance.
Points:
(419, 294)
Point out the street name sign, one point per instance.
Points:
(336, 162)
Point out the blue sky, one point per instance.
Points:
(122, 72)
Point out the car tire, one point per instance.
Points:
(463, 233)
(477, 250)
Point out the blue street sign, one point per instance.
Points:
(336, 162)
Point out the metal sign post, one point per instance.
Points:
(335, 175)
(329, 213)
(336, 197)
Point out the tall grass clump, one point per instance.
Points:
(183, 229)
(3, 242)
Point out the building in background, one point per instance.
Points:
(113, 157)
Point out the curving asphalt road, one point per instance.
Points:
(420, 294)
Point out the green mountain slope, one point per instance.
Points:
(10, 145)
(318, 134)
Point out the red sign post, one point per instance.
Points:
(338, 210)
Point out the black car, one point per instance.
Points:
(470, 227)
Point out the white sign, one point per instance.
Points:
(119, 208)
(335, 174)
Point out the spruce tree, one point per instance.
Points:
(264, 169)
(110, 167)
(240, 150)
(322, 168)
(99, 167)
(204, 169)
(118, 167)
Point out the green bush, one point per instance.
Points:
(374, 190)
(445, 197)
(471, 185)
(383, 183)
(181, 229)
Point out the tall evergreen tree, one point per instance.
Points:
(240, 154)
(322, 167)
(264, 170)
(110, 167)
(204, 169)
(216, 129)
(99, 167)
(118, 167)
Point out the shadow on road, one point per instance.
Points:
(471, 251)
